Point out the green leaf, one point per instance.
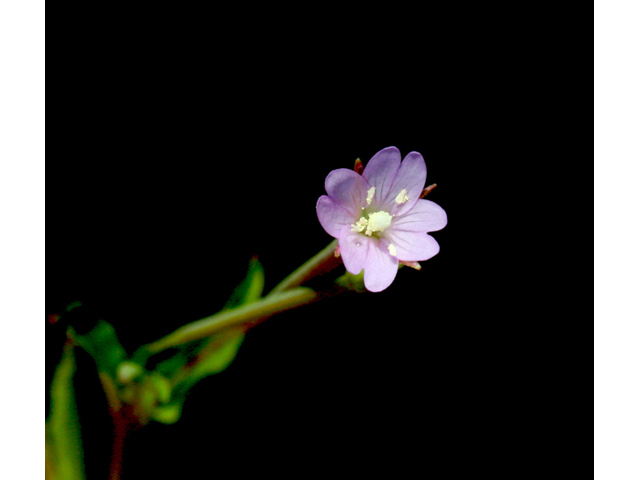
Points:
(249, 291)
(251, 287)
(164, 399)
(214, 360)
(62, 431)
(217, 352)
(103, 345)
(173, 364)
(73, 305)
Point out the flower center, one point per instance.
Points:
(374, 223)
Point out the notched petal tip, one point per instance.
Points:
(380, 173)
(385, 161)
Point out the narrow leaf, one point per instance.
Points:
(251, 287)
(215, 360)
(62, 431)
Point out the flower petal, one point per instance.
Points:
(412, 246)
(411, 177)
(353, 249)
(425, 216)
(347, 189)
(380, 268)
(332, 216)
(380, 173)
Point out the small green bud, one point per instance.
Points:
(128, 372)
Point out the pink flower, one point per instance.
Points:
(379, 218)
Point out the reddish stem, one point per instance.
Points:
(121, 426)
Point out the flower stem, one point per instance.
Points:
(285, 296)
(120, 432)
(120, 424)
(247, 314)
(321, 263)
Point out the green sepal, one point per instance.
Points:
(352, 282)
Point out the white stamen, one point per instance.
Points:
(392, 249)
(370, 194)
(378, 222)
(402, 196)
(360, 225)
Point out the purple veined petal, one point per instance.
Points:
(332, 216)
(347, 189)
(425, 216)
(380, 268)
(380, 173)
(412, 246)
(353, 249)
(411, 177)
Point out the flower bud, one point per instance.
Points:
(427, 190)
(358, 167)
(128, 372)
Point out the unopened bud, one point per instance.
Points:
(128, 371)
(358, 167)
(428, 189)
(414, 265)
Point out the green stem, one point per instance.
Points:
(321, 263)
(246, 314)
(285, 296)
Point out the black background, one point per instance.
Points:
(176, 171)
